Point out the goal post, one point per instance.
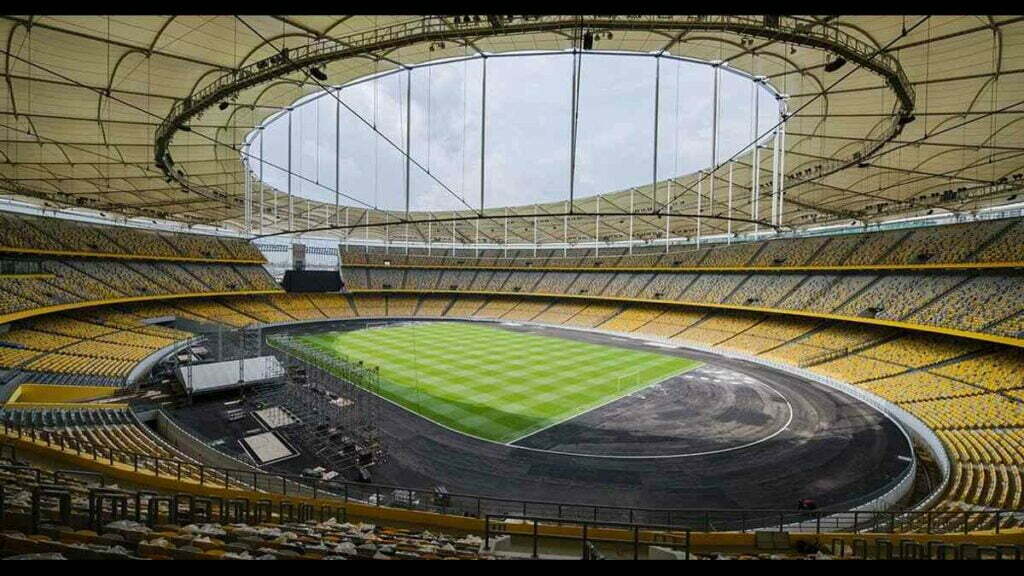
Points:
(627, 382)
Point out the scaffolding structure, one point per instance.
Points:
(327, 406)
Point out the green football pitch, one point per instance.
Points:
(497, 384)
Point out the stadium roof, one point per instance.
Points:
(94, 107)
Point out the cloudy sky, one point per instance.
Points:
(527, 131)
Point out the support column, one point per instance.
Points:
(755, 161)
(291, 203)
(572, 130)
(775, 177)
(631, 211)
(261, 179)
(483, 148)
(714, 138)
(408, 135)
(654, 171)
(668, 214)
(247, 201)
(337, 159)
(728, 223)
(700, 181)
(597, 229)
(483, 137)
(782, 170)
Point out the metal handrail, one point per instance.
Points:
(671, 536)
(706, 520)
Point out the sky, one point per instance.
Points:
(528, 130)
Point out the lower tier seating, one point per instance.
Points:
(107, 343)
(971, 393)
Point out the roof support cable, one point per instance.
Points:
(372, 126)
(675, 163)
(465, 125)
(654, 156)
(430, 101)
(577, 72)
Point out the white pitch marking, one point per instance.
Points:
(784, 427)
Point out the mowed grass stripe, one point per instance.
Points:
(460, 390)
(493, 383)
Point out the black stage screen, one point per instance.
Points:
(312, 281)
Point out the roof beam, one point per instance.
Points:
(115, 43)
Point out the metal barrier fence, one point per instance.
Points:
(94, 507)
(102, 504)
(640, 535)
(337, 492)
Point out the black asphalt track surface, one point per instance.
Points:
(728, 435)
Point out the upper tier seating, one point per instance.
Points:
(19, 231)
(988, 303)
(80, 281)
(983, 241)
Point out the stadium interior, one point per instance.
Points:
(308, 287)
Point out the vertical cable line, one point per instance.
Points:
(675, 161)
(291, 212)
(376, 141)
(462, 144)
(430, 100)
(657, 100)
(715, 79)
(337, 162)
(103, 132)
(577, 71)
(408, 139)
(755, 152)
(483, 142)
(372, 126)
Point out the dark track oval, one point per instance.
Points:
(836, 450)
